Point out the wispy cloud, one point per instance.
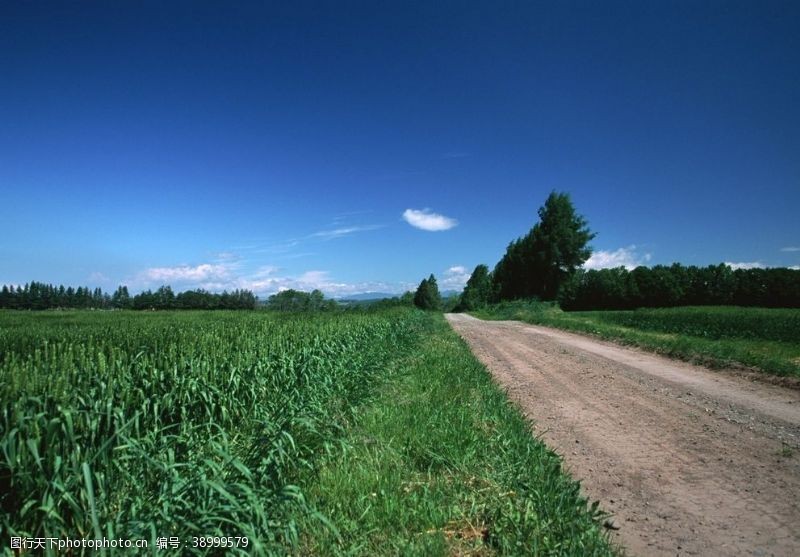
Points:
(745, 265)
(289, 245)
(98, 278)
(344, 231)
(426, 220)
(455, 278)
(627, 257)
(339, 218)
(791, 248)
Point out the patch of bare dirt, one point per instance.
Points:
(689, 461)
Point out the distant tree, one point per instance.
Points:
(477, 290)
(164, 298)
(407, 299)
(121, 299)
(295, 300)
(427, 295)
(421, 294)
(598, 289)
(538, 263)
(288, 300)
(316, 301)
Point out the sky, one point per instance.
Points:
(360, 146)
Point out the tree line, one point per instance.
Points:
(546, 264)
(678, 285)
(296, 300)
(39, 296)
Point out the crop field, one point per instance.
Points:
(360, 433)
(764, 339)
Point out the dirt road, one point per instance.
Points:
(689, 461)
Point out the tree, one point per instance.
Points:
(477, 290)
(538, 263)
(427, 295)
(295, 300)
(121, 299)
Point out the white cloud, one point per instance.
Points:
(795, 267)
(791, 248)
(263, 281)
(622, 257)
(186, 273)
(745, 265)
(426, 220)
(455, 278)
(265, 271)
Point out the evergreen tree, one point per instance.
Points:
(538, 263)
(421, 294)
(427, 295)
(477, 290)
(121, 298)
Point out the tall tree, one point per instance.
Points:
(427, 295)
(121, 299)
(539, 262)
(477, 290)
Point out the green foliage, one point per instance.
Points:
(40, 296)
(441, 464)
(177, 424)
(427, 295)
(267, 425)
(538, 263)
(676, 285)
(764, 339)
(295, 300)
(121, 299)
(716, 323)
(477, 290)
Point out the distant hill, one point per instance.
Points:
(368, 296)
(375, 296)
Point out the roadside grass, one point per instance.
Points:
(766, 340)
(366, 433)
(441, 463)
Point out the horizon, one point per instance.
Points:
(359, 149)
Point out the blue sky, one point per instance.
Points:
(267, 146)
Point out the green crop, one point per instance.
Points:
(176, 424)
(345, 434)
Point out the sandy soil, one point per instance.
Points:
(689, 461)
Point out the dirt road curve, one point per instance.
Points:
(689, 461)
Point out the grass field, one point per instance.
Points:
(767, 340)
(357, 434)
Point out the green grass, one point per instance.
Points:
(766, 340)
(178, 424)
(373, 433)
(440, 463)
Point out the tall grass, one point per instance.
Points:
(440, 463)
(359, 434)
(177, 424)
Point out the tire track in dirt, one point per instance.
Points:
(689, 461)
